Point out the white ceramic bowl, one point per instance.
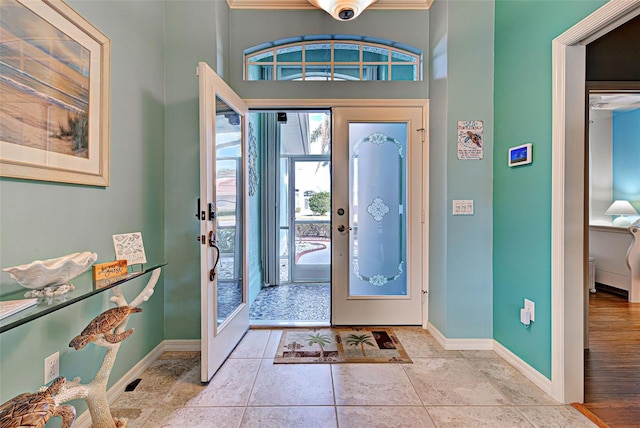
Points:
(52, 272)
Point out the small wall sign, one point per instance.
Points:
(470, 139)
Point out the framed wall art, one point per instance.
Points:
(54, 80)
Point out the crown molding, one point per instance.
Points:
(304, 4)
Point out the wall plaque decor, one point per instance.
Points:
(54, 80)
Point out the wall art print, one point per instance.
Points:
(470, 139)
(54, 80)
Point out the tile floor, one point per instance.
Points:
(440, 389)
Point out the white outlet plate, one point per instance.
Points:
(531, 307)
(51, 367)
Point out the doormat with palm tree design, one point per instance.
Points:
(340, 345)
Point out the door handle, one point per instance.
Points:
(342, 228)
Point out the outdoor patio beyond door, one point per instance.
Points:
(310, 225)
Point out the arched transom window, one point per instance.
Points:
(332, 57)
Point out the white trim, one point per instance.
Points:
(567, 377)
(529, 372)
(304, 4)
(335, 102)
(84, 420)
(459, 344)
(182, 345)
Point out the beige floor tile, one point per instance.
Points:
(555, 417)
(420, 344)
(452, 381)
(292, 385)
(477, 417)
(383, 417)
(513, 384)
(289, 417)
(230, 386)
(201, 417)
(252, 345)
(272, 345)
(473, 355)
(373, 385)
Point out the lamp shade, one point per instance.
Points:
(621, 207)
(342, 10)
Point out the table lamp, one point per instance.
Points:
(622, 209)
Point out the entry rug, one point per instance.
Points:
(340, 345)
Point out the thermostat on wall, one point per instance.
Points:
(520, 155)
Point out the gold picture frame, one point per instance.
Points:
(54, 80)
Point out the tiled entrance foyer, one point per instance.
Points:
(440, 389)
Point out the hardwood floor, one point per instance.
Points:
(612, 362)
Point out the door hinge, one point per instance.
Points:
(421, 131)
(422, 216)
(424, 296)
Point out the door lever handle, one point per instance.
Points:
(342, 228)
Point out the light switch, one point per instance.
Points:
(462, 207)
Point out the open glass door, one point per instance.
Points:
(377, 210)
(224, 309)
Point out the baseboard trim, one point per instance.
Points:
(84, 420)
(529, 372)
(182, 345)
(459, 344)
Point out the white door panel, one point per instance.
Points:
(223, 220)
(377, 241)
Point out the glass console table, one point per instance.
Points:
(85, 287)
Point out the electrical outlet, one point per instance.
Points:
(531, 307)
(51, 367)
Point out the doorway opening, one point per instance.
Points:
(295, 159)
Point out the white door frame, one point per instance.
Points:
(421, 103)
(568, 225)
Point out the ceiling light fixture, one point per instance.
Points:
(343, 10)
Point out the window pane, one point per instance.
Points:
(401, 57)
(372, 53)
(346, 52)
(290, 54)
(289, 72)
(263, 57)
(378, 183)
(347, 72)
(375, 72)
(403, 72)
(319, 134)
(260, 72)
(317, 72)
(318, 52)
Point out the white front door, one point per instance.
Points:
(377, 216)
(222, 217)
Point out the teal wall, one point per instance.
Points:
(522, 195)
(460, 247)
(408, 27)
(190, 38)
(41, 220)
(626, 156)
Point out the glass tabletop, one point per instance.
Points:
(85, 287)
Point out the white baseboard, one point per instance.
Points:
(182, 345)
(529, 372)
(459, 344)
(84, 420)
